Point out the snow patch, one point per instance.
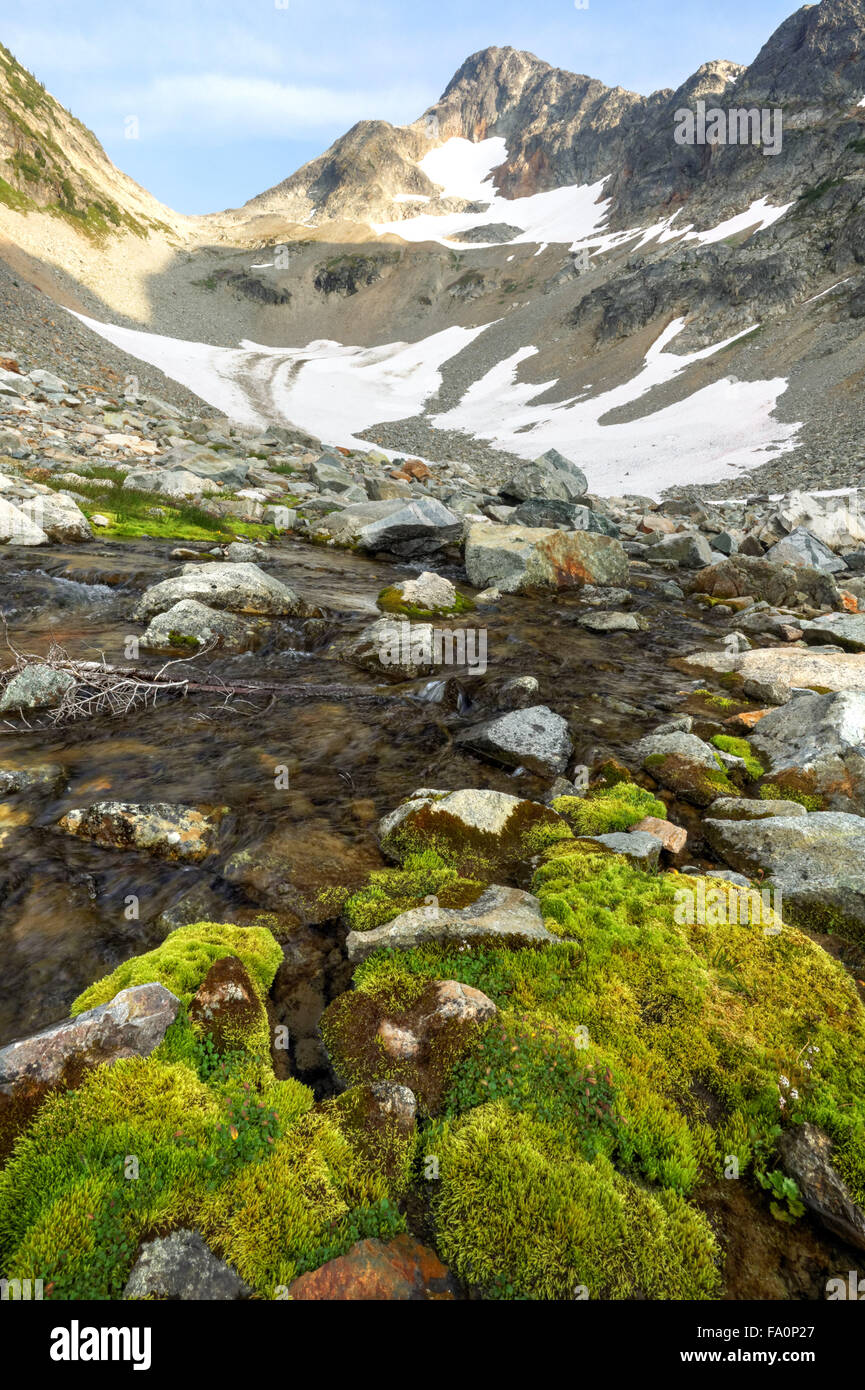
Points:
(704, 438)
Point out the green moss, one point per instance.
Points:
(780, 791)
(390, 892)
(689, 780)
(696, 1023)
(380, 1142)
(740, 748)
(719, 702)
(518, 1217)
(183, 959)
(148, 1145)
(12, 198)
(608, 809)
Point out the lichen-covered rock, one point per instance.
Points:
(816, 860)
(190, 624)
(36, 687)
(525, 559)
(477, 831)
(748, 808)
(382, 1271)
(393, 648)
(240, 588)
(180, 1266)
(781, 585)
(168, 832)
(505, 914)
(535, 738)
(686, 765)
(845, 630)
(816, 744)
(43, 778)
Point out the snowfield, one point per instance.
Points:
(575, 214)
(333, 391)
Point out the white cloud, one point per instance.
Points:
(240, 107)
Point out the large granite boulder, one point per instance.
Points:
(239, 588)
(518, 559)
(817, 861)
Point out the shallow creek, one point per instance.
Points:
(64, 915)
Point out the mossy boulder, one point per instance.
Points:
(479, 833)
(416, 1043)
(215, 1144)
(427, 596)
(226, 1007)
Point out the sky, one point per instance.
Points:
(209, 102)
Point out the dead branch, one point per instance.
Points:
(101, 689)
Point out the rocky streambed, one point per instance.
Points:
(273, 797)
(341, 762)
(380, 853)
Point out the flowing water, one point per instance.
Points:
(65, 916)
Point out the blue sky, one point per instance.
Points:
(231, 96)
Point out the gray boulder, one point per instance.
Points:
(687, 549)
(500, 913)
(821, 738)
(817, 861)
(131, 1025)
(181, 1267)
(845, 630)
(190, 624)
(803, 548)
(638, 846)
(36, 687)
(551, 475)
(240, 588)
(330, 475)
(419, 527)
(611, 622)
(534, 738)
(806, 1155)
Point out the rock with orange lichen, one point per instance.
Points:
(527, 559)
(397, 1270)
(168, 832)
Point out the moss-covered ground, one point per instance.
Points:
(567, 1140)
